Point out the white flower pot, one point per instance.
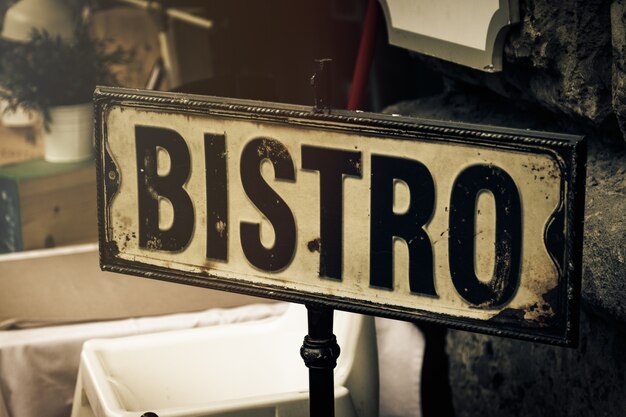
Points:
(17, 118)
(70, 134)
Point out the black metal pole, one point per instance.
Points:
(320, 352)
(320, 349)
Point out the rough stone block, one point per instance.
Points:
(563, 51)
(618, 32)
(494, 377)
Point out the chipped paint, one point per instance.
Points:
(302, 271)
(314, 245)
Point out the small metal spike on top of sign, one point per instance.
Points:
(321, 83)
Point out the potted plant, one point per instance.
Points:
(19, 117)
(56, 78)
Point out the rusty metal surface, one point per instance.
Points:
(469, 226)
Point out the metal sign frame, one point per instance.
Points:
(563, 235)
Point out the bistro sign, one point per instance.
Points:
(477, 228)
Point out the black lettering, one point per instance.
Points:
(269, 203)
(151, 186)
(216, 197)
(332, 165)
(385, 224)
(465, 191)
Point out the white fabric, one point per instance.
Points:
(400, 357)
(38, 367)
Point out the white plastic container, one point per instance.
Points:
(70, 134)
(244, 369)
(18, 118)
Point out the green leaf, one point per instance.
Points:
(47, 71)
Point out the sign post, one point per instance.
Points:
(320, 352)
(320, 349)
(473, 227)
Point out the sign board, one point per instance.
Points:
(474, 227)
(470, 33)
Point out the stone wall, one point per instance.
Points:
(498, 377)
(565, 70)
(566, 56)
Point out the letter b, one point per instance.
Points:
(151, 186)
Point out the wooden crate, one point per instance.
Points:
(45, 204)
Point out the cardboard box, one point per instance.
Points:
(66, 285)
(20, 144)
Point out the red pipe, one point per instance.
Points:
(364, 58)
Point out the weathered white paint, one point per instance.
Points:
(470, 33)
(457, 21)
(536, 176)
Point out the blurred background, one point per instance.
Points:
(563, 68)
